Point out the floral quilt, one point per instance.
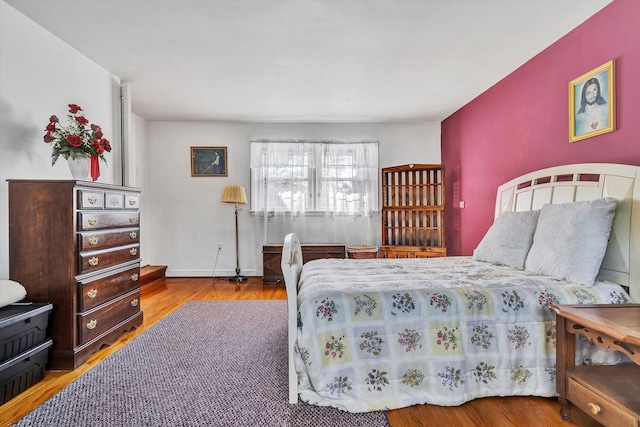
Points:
(384, 334)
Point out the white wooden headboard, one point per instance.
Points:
(587, 181)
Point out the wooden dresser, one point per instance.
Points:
(272, 256)
(76, 244)
(608, 393)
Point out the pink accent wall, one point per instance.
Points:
(521, 124)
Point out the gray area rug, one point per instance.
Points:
(209, 363)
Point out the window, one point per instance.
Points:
(340, 178)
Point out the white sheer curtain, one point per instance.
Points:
(349, 193)
(325, 192)
(281, 188)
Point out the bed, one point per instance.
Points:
(380, 334)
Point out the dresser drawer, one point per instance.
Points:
(131, 201)
(94, 322)
(113, 200)
(119, 200)
(95, 292)
(92, 261)
(590, 401)
(96, 240)
(102, 220)
(90, 199)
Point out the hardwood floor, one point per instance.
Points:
(165, 295)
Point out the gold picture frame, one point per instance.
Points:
(592, 103)
(208, 161)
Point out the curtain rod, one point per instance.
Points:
(325, 141)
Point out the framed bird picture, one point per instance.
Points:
(208, 161)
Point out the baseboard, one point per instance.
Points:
(208, 273)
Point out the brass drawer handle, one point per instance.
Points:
(134, 302)
(594, 409)
(133, 219)
(133, 251)
(93, 240)
(132, 201)
(92, 293)
(134, 277)
(93, 220)
(93, 261)
(92, 324)
(92, 200)
(133, 234)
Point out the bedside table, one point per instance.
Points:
(272, 255)
(608, 393)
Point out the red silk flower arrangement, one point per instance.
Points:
(77, 139)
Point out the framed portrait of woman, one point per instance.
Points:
(208, 161)
(592, 103)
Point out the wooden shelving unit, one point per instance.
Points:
(413, 201)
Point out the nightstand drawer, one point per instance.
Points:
(606, 412)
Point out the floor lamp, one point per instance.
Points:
(235, 194)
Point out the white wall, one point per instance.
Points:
(182, 219)
(39, 76)
(186, 218)
(138, 177)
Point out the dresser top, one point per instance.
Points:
(88, 184)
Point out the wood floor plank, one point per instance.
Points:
(162, 297)
(490, 412)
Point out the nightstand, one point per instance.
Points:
(608, 393)
(272, 255)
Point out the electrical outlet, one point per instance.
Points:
(219, 247)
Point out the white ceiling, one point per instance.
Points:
(307, 60)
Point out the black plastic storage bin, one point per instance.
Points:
(23, 371)
(22, 327)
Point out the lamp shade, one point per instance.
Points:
(234, 194)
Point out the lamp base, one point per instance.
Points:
(238, 279)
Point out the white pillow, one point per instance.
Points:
(571, 239)
(509, 239)
(11, 292)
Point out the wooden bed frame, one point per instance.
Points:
(588, 181)
(561, 184)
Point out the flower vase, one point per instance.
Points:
(79, 168)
